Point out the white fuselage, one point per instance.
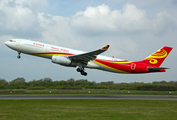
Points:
(80, 60)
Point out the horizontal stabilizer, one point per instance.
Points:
(150, 69)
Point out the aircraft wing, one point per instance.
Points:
(86, 57)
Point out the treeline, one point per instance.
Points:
(20, 83)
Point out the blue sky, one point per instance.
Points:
(133, 28)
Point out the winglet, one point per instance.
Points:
(106, 47)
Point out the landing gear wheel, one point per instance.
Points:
(78, 70)
(83, 73)
(18, 57)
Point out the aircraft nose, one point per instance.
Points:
(6, 43)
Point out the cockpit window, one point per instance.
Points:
(11, 40)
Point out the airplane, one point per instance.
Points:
(81, 60)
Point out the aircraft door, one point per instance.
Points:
(48, 48)
(133, 66)
(18, 42)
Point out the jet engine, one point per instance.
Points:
(61, 60)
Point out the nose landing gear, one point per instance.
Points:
(19, 55)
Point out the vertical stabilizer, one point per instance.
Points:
(157, 58)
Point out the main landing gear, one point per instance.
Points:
(81, 70)
(19, 55)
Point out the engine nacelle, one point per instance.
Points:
(61, 60)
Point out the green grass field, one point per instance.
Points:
(87, 110)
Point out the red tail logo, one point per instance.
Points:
(157, 58)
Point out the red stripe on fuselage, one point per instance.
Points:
(121, 66)
(52, 53)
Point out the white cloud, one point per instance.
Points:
(57, 30)
(94, 20)
(164, 22)
(102, 20)
(18, 19)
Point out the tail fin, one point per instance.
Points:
(157, 58)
